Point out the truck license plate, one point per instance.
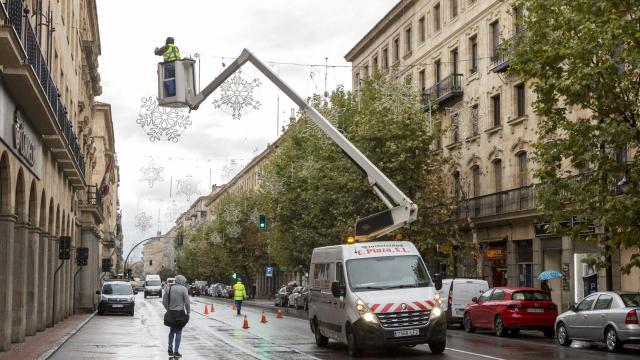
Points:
(117, 305)
(411, 332)
(535, 310)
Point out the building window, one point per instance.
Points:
(436, 17)
(520, 104)
(473, 44)
(455, 128)
(422, 30)
(517, 20)
(475, 173)
(374, 63)
(422, 80)
(454, 61)
(437, 65)
(385, 59)
(357, 84)
(522, 168)
(150, 262)
(495, 108)
(497, 175)
(495, 39)
(456, 185)
(396, 49)
(454, 8)
(407, 41)
(473, 120)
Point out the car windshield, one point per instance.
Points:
(153, 283)
(117, 289)
(631, 300)
(530, 295)
(387, 272)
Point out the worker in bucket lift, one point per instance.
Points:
(170, 53)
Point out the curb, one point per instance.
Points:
(65, 338)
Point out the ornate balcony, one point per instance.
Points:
(446, 89)
(499, 203)
(93, 203)
(501, 57)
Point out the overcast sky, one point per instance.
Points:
(304, 32)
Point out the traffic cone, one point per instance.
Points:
(245, 324)
(212, 309)
(279, 314)
(264, 317)
(206, 311)
(233, 307)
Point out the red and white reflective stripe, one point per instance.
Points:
(397, 307)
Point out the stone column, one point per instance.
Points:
(89, 276)
(537, 259)
(512, 263)
(43, 283)
(567, 286)
(33, 280)
(19, 321)
(52, 259)
(7, 228)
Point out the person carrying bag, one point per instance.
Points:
(176, 302)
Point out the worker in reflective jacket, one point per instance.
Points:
(239, 294)
(170, 53)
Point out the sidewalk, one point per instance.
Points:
(45, 343)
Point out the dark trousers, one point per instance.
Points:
(238, 305)
(177, 333)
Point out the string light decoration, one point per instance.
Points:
(162, 123)
(230, 170)
(188, 186)
(143, 221)
(152, 173)
(236, 96)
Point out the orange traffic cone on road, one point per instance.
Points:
(245, 324)
(206, 311)
(233, 307)
(264, 317)
(212, 309)
(279, 314)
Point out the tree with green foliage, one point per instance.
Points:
(313, 192)
(582, 60)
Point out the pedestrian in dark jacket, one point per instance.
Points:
(176, 299)
(544, 285)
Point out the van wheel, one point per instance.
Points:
(466, 322)
(321, 341)
(354, 350)
(437, 347)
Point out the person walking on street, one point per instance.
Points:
(239, 294)
(170, 53)
(176, 302)
(544, 285)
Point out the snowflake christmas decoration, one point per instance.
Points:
(232, 214)
(397, 96)
(143, 222)
(230, 170)
(173, 211)
(254, 217)
(234, 230)
(236, 96)
(311, 130)
(152, 173)
(467, 118)
(188, 186)
(161, 123)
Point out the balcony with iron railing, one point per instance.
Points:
(93, 202)
(498, 203)
(446, 89)
(27, 75)
(501, 57)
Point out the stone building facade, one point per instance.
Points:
(49, 157)
(159, 252)
(452, 50)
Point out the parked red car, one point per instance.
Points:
(511, 309)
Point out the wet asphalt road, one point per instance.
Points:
(220, 336)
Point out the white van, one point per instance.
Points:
(374, 294)
(459, 293)
(152, 286)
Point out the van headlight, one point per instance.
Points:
(436, 312)
(364, 312)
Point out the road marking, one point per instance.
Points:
(476, 354)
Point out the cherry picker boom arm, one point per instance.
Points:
(401, 210)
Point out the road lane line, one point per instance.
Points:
(476, 354)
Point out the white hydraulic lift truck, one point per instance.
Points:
(401, 210)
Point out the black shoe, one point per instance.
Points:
(177, 355)
(170, 352)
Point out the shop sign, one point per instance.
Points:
(565, 277)
(21, 138)
(495, 253)
(23, 142)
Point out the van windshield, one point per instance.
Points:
(117, 289)
(153, 283)
(387, 272)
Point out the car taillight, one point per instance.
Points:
(450, 299)
(632, 318)
(553, 307)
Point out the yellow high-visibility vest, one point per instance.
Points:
(172, 53)
(239, 292)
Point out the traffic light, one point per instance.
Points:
(82, 256)
(64, 248)
(262, 223)
(129, 273)
(106, 265)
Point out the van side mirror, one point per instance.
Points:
(474, 299)
(437, 280)
(338, 290)
(97, 292)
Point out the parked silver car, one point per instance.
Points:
(608, 317)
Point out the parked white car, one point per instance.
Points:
(458, 293)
